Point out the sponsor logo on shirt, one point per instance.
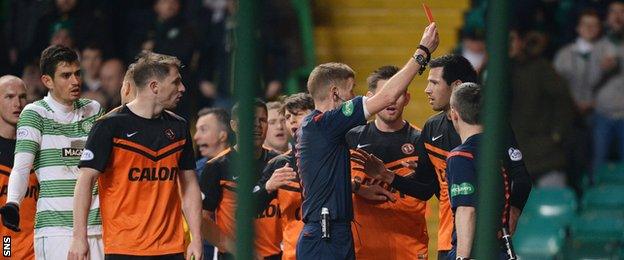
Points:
(462, 189)
(87, 155)
(71, 152)
(514, 154)
(347, 108)
(153, 174)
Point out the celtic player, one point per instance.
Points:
(51, 134)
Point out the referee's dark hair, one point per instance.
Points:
(455, 67)
(466, 101)
(53, 55)
(258, 103)
(382, 73)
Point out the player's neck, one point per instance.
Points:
(393, 126)
(7, 131)
(325, 105)
(218, 150)
(145, 108)
(58, 103)
(465, 131)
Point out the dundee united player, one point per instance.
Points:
(142, 157)
(403, 226)
(323, 155)
(277, 136)
(438, 137)
(51, 134)
(280, 179)
(12, 101)
(218, 184)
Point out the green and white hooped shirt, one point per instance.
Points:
(55, 134)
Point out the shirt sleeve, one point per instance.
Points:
(263, 197)
(462, 181)
(338, 121)
(98, 147)
(28, 143)
(520, 180)
(210, 186)
(187, 159)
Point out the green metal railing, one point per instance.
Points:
(494, 108)
(245, 80)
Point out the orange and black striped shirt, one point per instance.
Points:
(21, 242)
(401, 224)
(289, 199)
(218, 184)
(140, 160)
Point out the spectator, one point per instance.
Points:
(91, 62)
(214, 17)
(111, 76)
(167, 33)
(98, 96)
(84, 25)
(20, 23)
(472, 47)
(609, 115)
(583, 64)
(541, 110)
(35, 90)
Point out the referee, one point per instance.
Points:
(323, 154)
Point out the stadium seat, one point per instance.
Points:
(604, 197)
(595, 235)
(610, 174)
(557, 204)
(538, 239)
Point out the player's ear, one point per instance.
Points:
(455, 84)
(369, 93)
(234, 125)
(153, 85)
(47, 81)
(223, 136)
(333, 92)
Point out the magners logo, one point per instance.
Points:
(71, 152)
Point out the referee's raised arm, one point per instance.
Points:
(397, 84)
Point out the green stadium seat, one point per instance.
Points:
(595, 235)
(557, 204)
(604, 197)
(610, 174)
(538, 238)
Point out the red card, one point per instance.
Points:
(428, 13)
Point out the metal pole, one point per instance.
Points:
(494, 109)
(245, 80)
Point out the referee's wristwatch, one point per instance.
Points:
(422, 60)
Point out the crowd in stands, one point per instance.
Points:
(108, 35)
(567, 84)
